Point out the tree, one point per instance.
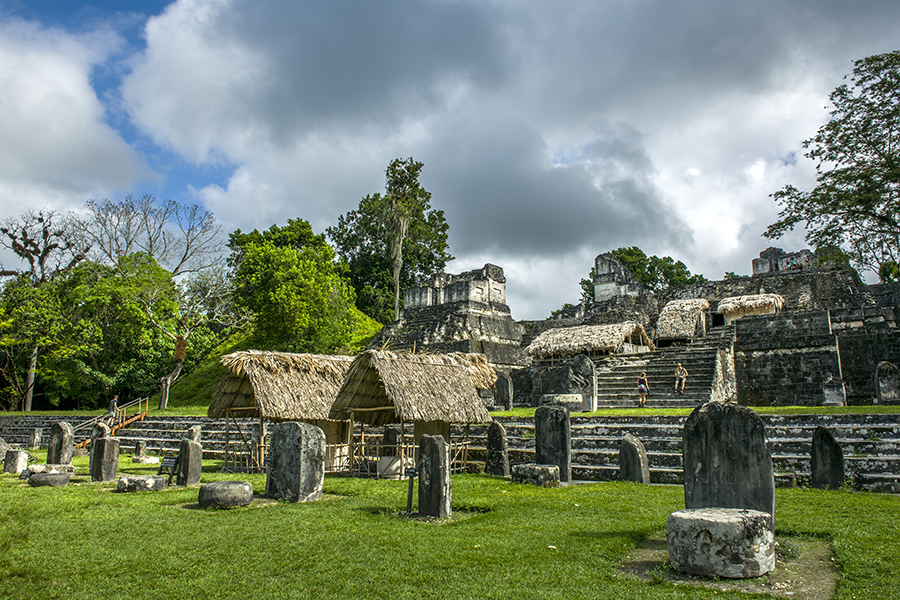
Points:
(658, 274)
(297, 234)
(47, 242)
(299, 300)
(180, 238)
(391, 241)
(855, 205)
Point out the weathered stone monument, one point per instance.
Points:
(726, 461)
(61, 444)
(553, 439)
(104, 459)
(225, 494)
(539, 475)
(434, 477)
(503, 392)
(827, 460)
(297, 468)
(633, 463)
(722, 542)
(51, 479)
(35, 439)
(497, 462)
(141, 483)
(140, 448)
(194, 434)
(15, 461)
(190, 462)
(887, 383)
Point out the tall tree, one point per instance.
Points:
(855, 205)
(47, 242)
(658, 274)
(392, 241)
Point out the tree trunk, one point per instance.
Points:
(165, 383)
(29, 380)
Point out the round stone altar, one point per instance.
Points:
(725, 542)
(226, 494)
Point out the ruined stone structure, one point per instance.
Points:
(612, 278)
(772, 260)
(459, 313)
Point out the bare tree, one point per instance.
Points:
(183, 239)
(49, 243)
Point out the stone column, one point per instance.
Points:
(35, 439)
(726, 461)
(15, 461)
(434, 476)
(61, 444)
(497, 451)
(553, 439)
(140, 448)
(105, 459)
(296, 462)
(190, 463)
(827, 460)
(633, 463)
(98, 432)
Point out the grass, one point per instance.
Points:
(508, 541)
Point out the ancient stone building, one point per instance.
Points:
(465, 312)
(772, 260)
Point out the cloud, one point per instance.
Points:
(56, 146)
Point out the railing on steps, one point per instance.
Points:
(115, 422)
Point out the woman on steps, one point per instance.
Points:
(643, 389)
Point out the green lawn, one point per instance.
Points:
(516, 542)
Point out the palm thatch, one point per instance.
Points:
(681, 319)
(752, 303)
(385, 387)
(570, 341)
(278, 386)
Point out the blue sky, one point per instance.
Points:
(550, 133)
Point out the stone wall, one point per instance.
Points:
(785, 359)
(486, 285)
(612, 278)
(861, 352)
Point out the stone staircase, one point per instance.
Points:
(617, 375)
(870, 442)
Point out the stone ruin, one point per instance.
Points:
(435, 495)
(296, 470)
(773, 260)
(727, 528)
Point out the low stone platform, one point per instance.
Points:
(51, 468)
(141, 483)
(48, 479)
(725, 542)
(226, 494)
(539, 475)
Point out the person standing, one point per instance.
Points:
(113, 406)
(681, 375)
(643, 389)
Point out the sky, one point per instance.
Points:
(550, 132)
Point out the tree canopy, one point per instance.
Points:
(855, 205)
(391, 241)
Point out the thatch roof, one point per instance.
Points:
(386, 387)
(746, 303)
(278, 385)
(679, 319)
(570, 341)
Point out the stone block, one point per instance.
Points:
(434, 476)
(633, 463)
(35, 439)
(226, 494)
(190, 463)
(141, 483)
(827, 460)
(105, 459)
(503, 392)
(726, 461)
(721, 542)
(539, 475)
(193, 433)
(553, 439)
(145, 460)
(140, 448)
(887, 383)
(390, 440)
(61, 444)
(15, 461)
(497, 462)
(4, 447)
(49, 468)
(48, 479)
(296, 470)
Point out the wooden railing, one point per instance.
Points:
(136, 410)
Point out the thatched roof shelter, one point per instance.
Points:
(278, 386)
(750, 303)
(681, 319)
(385, 387)
(589, 339)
